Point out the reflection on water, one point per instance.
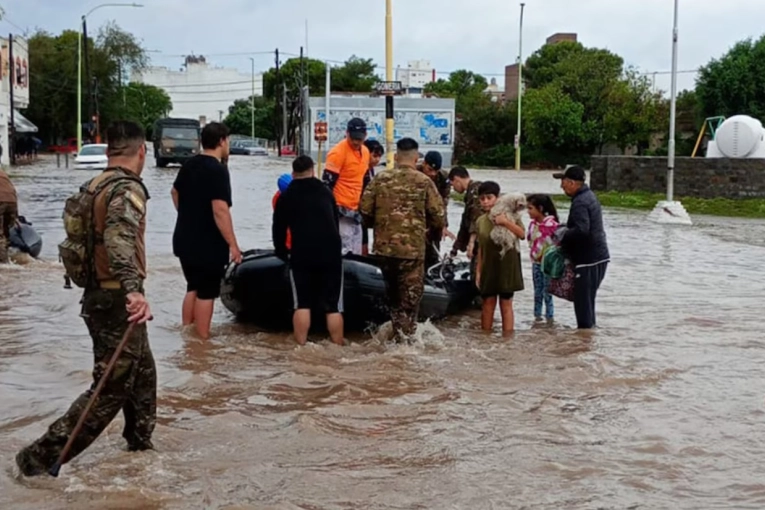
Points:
(660, 408)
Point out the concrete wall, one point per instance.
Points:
(430, 121)
(694, 177)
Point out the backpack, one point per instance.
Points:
(76, 251)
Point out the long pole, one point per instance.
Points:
(328, 91)
(252, 102)
(276, 106)
(285, 135)
(12, 79)
(520, 94)
(79, 91)
(672, 113)
(389, 127)
(88, 84)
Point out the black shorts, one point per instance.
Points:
(504, 296)
(204, 279)
(318, 289)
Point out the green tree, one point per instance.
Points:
(460, 84)
(552, 120)
(239, 119)
(292, 77)
(53, 78)
(146, 104)
(733, 84)
(355, 75)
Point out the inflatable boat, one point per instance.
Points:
(25, 238)
(258, 291)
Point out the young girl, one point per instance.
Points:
(544, 222)
(496, 276)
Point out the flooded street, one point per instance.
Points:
(662, 407)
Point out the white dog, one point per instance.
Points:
(511, 205)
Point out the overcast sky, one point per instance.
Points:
(481, 35)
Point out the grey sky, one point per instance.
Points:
(481, 35)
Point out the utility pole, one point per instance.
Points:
(89, 96)
(12, 80)
(520, 95)
(389, 127)
(276, 107)
(299, 133)
(252, 101)
(285, 135)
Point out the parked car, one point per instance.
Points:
(247, 148)
(91, 157)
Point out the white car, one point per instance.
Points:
(91, 157)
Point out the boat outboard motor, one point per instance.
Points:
(25, 239)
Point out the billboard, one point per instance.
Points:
(16, 72)
(429, 121)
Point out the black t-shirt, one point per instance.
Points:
(308, 209)
(197, 239)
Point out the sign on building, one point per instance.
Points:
(16, 72)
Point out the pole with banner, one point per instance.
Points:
(320, 136)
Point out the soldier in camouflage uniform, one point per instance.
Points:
(463, 184)
(115, 298)
(431, 166)
(401, 205)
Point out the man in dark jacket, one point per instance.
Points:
(584, 243)
(308, 210)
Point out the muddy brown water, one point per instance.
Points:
(661, 407)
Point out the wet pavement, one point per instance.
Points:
(661, 407)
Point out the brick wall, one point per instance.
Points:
(694, 177)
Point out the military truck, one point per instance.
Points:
(175, 140)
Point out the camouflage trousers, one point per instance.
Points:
(131, 387)
(404, 285)
(8, 213)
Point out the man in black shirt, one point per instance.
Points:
(308, 209)
(204, 232)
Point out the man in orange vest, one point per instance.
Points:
(347, 164)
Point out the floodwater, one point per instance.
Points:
(662, 407)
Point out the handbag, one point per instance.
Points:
(563, 287)
(553, 262)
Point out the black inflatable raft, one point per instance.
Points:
(258, 291)
(25, 238)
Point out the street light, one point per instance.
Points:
(669, 210)
(252, 101)
(520, 95)
(83, 34)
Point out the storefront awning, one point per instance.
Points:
(22, 124)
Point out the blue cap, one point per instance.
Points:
(283, 182)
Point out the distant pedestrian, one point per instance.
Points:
(584, 243)
(346, 168)
(542, 227)
(498, 276)
(9, 210)
(204, 238)
(308, 211)
(402, 205)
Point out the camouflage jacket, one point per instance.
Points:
(471, 213)
(120, 219)
(444, 189)
(401, 205)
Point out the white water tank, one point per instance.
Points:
(738, 137)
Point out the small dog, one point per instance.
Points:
(512, 205)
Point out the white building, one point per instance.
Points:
(199, 91)
(415, 76)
